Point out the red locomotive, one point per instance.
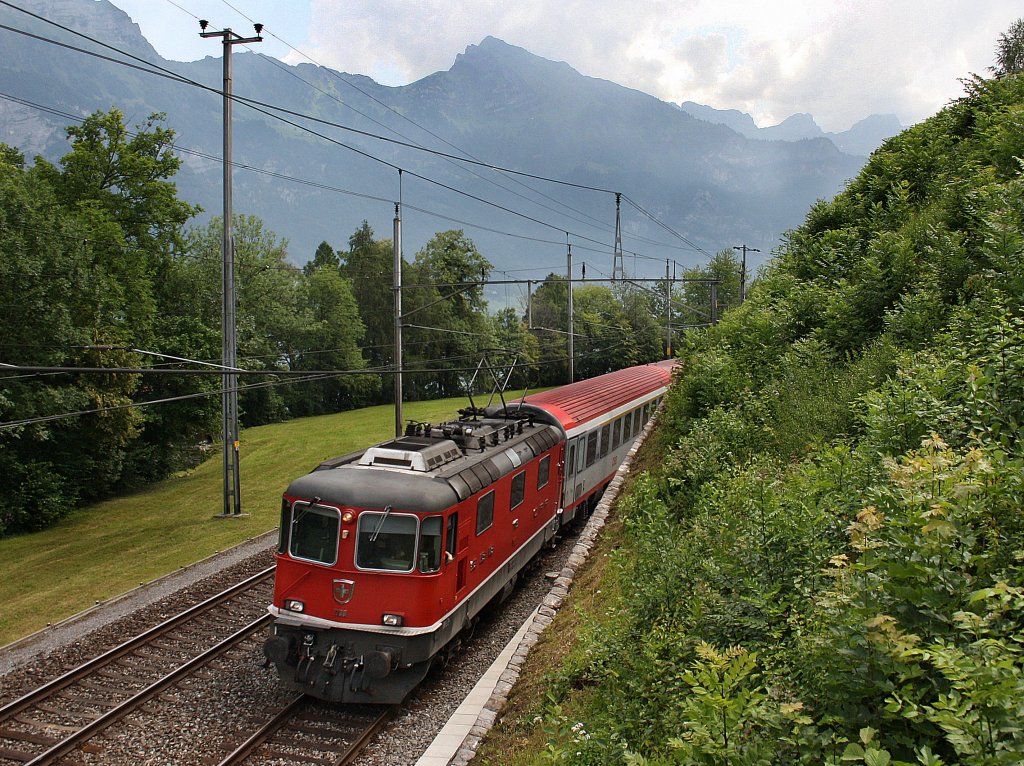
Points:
(387, 555)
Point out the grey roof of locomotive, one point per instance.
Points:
(430, 470)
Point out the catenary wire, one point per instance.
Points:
(261, 107)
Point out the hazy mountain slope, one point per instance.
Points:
(862, 139)
(498, 102)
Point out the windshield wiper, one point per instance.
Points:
(309, 505)
(380, 524)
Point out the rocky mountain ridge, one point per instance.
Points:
(313, 182)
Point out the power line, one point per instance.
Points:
(157, 69)
(301, 377)
(401, 116)
(262, 107)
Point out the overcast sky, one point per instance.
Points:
(840, 60)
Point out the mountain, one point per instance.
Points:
(710, 184)
(862, 139)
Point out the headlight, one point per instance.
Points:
(393, 620)
(293, 605)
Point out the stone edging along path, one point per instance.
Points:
(545, 614)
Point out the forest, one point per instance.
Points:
(103, 267)
(824, 562)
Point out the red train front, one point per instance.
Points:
(388, 554)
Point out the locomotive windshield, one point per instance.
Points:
(386, 541)
(314, 534)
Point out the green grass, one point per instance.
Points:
(106, 549)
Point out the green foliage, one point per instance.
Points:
(85, 263)
(606, 339)
(696, 296)
(514, 338)
(287, 319)
(1010, 50)
(840, 502)
(550, 318)
(324, 258)
(449, 327)
(921, 617)
(727, 717)
(369, 265)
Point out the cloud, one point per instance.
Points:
(841, 60)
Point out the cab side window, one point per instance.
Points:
(485, 512)
(518, 490)
(544, 469)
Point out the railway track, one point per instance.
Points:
(64, 715)
(308, 731)
(209, 718)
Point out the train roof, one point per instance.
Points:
(431, 468)
(584, 400)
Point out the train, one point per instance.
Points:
(387, 555)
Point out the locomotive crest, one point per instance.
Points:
(343, 590)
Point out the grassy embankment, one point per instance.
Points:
(108, 548)
(827, 563)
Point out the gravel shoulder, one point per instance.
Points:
(111, 620)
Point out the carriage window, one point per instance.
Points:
(627, 427)
(485, 512)
(591, 448)
(314, 533)
(570, 461)
(606, 431)
(616, 433)
(386, 541)
(544, 471)
(518, 490)
(430, 544)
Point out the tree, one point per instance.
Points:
(286, 320)
(11, 156)
(327, 339)
(121, 181)
(323, 258)
(266, 293)
(1010, 50)
(450, 325)
(696, 296)
(56, 310)
(516, 342)
(369, 267)
(550, 311)
(113, 221)
(118, 183)
(641, 312)
(605, 340)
